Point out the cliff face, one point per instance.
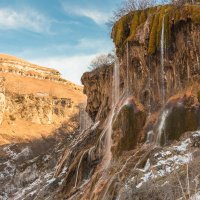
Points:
(35, 99)
(98, 88)
(143, 74)
(143, 134)
(11, 64)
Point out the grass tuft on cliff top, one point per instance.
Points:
(125, 29)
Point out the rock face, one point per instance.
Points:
(11, 64)
(149, 133)
(37, 104)
(126, 126)
(142, 70)
(98, 88)
(183, 117)
(39, 110)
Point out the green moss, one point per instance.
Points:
(143, 17)
(179, 121)
(153, 34)
(125, 29)
(130, 123)
(195, 14)
(121, 31)
(167, 30)
(134, 25)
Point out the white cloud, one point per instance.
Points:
(97, 16)
(23, 19)
(71, 68)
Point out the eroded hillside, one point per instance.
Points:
(34, 100)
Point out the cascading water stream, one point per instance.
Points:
(77, 172)
(161, 128)
(115, 99)
(105, 140)
(84, 119)
(116, 83)
(162, 45)
(127, 69)
(149, 88)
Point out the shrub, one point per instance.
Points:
(101, 61)
(12, 118)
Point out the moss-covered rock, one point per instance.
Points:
(126, 127)
(181, 120)
(125, 29)
(183, 116)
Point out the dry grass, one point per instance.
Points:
(180, 185)
(25, 85)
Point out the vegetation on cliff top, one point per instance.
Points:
(126, 28)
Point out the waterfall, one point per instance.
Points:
(149, 97)
(162, 44)
(79, 164)
(161, 127)
(150, 136)
(116, 83)
(127, 69)
(84, 120)
(115, 99)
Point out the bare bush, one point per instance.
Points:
(132, 5)
(128, 6)
(183, 2)
(102, 60)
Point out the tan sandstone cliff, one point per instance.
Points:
(34, 100)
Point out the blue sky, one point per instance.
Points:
(61, 34)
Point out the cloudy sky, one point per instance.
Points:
(62, 34)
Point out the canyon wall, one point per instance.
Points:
(137, 37)
(158, 51)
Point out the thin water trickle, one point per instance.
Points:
(127, 69)
(77, 172)
(162, 46)
(150, 137)
(161, 127)
(84, 120)
(116, 83)
(149, 97)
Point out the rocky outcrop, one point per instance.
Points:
(39, 118)
(31, 107)
(148, 80)
(157, 116)
(126, 126)
(11, 64)
(39, 110)
(98, 88)
(183, 115)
